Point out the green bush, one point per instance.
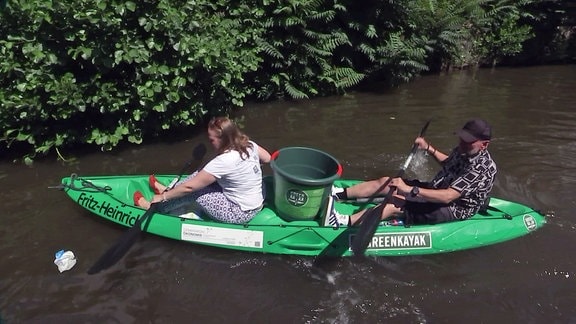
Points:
(102, 72)
(464, 33)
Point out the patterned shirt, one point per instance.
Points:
(472, 176)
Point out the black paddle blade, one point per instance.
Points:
(119, 249)
(367, 229)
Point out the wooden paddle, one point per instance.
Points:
(119, 249)
(371, 217)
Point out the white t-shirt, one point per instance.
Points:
(241, 180)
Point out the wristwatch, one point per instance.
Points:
(415, 191)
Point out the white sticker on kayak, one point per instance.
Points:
(222, 236)
(399, 241)
(530, 222)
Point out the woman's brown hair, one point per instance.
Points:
(231, 136)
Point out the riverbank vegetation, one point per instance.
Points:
(103, 72)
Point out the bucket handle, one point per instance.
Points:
(339, 172)
(274, 155)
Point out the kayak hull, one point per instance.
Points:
(110, 197)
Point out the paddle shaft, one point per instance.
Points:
(119, 249)
(198, 154)
(371, 217)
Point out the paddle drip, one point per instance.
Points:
(421, 166)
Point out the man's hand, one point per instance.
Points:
(401, 186)
(421, 142)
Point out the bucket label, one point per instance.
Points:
(296, 197)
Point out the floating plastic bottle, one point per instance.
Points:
(65, 260)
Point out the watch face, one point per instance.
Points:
(415, 191)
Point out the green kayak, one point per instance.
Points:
(110, 197)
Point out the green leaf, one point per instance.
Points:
(130, 6)
(173, 96)
(163, 69)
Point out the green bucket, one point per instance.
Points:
(303, 178)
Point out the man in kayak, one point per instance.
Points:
(457, 192)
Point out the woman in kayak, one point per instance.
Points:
(228, 188)
(457, 192)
